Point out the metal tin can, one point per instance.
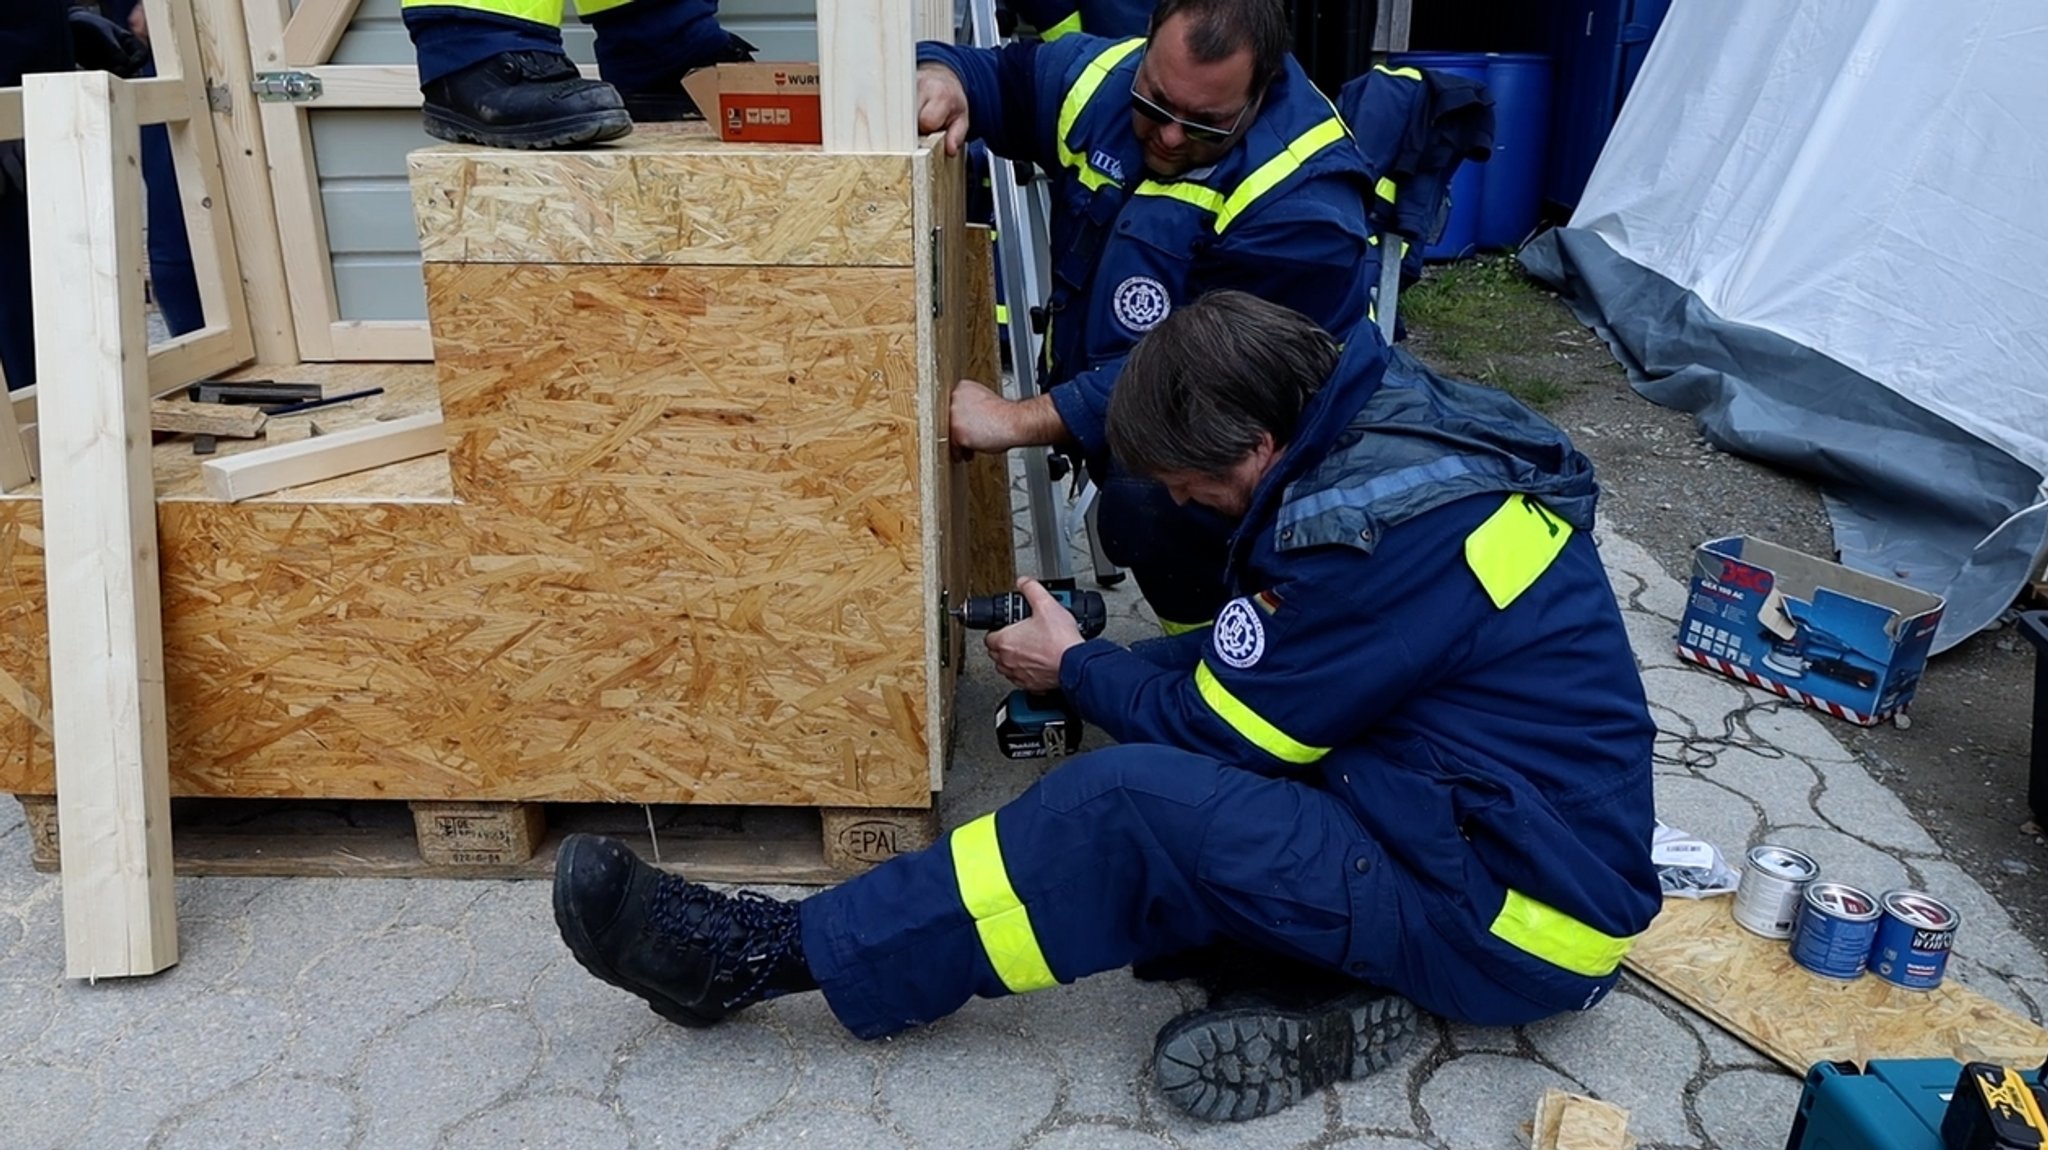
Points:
(1837, 924)
(1914, 934)
(1767, 898)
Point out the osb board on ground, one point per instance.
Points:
(356, 839)
(1750, 986)
(693, 558)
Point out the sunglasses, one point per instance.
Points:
(1200, 133)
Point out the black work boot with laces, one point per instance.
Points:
(1253, 1052)
(526, 99)
(694, 954)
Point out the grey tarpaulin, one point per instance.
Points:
(1912, 496)
(1818, 226)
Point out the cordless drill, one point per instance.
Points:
(1035, 724)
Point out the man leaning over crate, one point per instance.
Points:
(1199, 158)
(1412, 753)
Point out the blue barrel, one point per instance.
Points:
(1512, 182)
(1461, 231)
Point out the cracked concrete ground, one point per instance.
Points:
(314, 1013)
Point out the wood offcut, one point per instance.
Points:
(1750, 986)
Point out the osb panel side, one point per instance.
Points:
(26, 765)
(942, 304)
(421, 651)
(1750, 986)
(669, 200)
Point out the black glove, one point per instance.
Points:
(101, 45)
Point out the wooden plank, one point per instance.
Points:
(201, 189)
(316, 29)
(161, 100)
(196, 355)
(663, 198)
(182, 417)
(23, 402)
(1750, 987)
(107, 684)
(867, 75)
(479, 834)
(295, 190)
(245, 173)
(859, 838)
(323, 457)
(933, 20)
(10, 113)
(991, 534)
(941, 208)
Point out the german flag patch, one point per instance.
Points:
(1268, 602)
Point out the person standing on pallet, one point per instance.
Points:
(1197, 159)
(1414, 749)
(494, 72)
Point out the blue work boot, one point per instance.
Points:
(694, 954)
(1250, 1053)
(523, 99)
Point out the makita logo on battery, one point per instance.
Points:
(1933, 939)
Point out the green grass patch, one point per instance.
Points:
(1484, 319)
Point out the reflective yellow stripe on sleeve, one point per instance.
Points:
(1249, 723)
(1557, 938)
(1385, 189)
(1514, 546)
(999, 917)
(547, 12)
(1170, 629)
(1077, 99)
(1065, 27)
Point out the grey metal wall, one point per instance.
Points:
(361, 153)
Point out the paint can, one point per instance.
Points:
(1767, 898)
(1837, 924)
(1914, 934)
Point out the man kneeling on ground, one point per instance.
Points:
(1412, 756)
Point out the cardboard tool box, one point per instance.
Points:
(1840, 641)
(761, 103)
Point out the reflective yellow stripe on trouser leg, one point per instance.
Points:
(999, 916)
(548, 12)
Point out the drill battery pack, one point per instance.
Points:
(1917, 1104)
(1032, 726)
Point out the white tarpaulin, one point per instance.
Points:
(1867, 182)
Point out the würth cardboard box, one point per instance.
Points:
(1838, 640)
(760, 103)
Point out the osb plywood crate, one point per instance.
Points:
(691, 540)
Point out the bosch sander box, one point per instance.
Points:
(1838, 640)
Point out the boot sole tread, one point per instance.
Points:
(1243, 1063)
(588, 128)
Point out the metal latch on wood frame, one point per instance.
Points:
(285, 87)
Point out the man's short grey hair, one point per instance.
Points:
(1196, 393)
(1220, 29)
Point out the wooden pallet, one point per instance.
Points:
(389, 839)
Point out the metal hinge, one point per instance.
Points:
(286, 87)
(219, 99)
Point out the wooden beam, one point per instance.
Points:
(269, 469)
(99, 527)
(193, 356)
(295, 188)
(934, 20)
(227, 420)
(373, 85)
(316, 29)
(201, 190)
(245, 173)
(379, 340)
(160, 101)
(10, 113)
(867, 75)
